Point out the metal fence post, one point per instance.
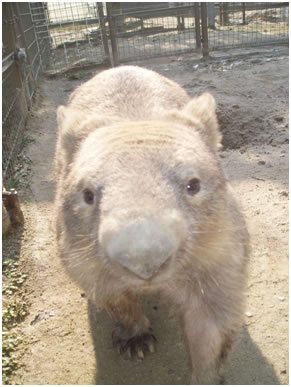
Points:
(244, 13)
(205, 50)
(224, 18)
(112, 31)
(197, 25)
(103, 31)
(211, 15)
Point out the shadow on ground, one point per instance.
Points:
(169, 364)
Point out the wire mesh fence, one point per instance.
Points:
(247, 24)
(68, 35)
(72, 31)
(22, 64)
(145, 30)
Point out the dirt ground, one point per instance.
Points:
(67, 340)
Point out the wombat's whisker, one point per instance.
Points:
(222, 230)
(83, 247)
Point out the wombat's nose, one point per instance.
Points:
(141, 245)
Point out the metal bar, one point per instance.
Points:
(7, 62)
(31, 44)
(197, 25)
(29, 28)
(16, 9)
(10, 108)
(211, 15)
(8, 71)
(24, 14)
(244, 12)
(112, 31)
(13, 147)
(35, 33)
(157, 12)
(79, 21)
(103, 30)
(205, 50)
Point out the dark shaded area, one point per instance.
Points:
(168, 365)
(240, 128)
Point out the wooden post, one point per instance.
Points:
(12, 205)
(205, 51)
(103, 30)
(224, 19)
(112, 31)
(197, 25)
(244, 13)
(211, 15)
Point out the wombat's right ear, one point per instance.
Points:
(74, 126)
(71, 130)
(203, 108)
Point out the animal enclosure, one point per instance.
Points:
(59, 36)
(59, 330)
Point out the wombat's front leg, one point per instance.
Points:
(205, 343)
(132, 332)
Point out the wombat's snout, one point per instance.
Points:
(140, 244)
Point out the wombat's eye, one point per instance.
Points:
(88, 196)
(193, 186)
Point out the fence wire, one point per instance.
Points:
(66, 35)
(155, 33)
(73, 32)
(22, 64)
(247, 24)
(145, 30)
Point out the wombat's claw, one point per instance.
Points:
(133, 344)
(140, 354)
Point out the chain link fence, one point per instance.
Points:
(62, 36)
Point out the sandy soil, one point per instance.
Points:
(67, 340)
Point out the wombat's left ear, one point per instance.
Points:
(60, 114)
(203, 108)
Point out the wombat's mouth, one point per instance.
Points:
(157, 275)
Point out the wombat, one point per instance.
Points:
(143, 205)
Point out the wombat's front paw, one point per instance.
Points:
(126, 341)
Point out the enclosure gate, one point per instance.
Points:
(73, 32)
(145, 30)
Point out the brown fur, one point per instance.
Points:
(134, 140)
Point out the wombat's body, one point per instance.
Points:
(143, 205)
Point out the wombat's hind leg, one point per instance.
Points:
(132, 332)
(224, 354)
(204, 340)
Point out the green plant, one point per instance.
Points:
(14, 310)
(10, 342)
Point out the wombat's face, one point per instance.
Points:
(139, 195)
